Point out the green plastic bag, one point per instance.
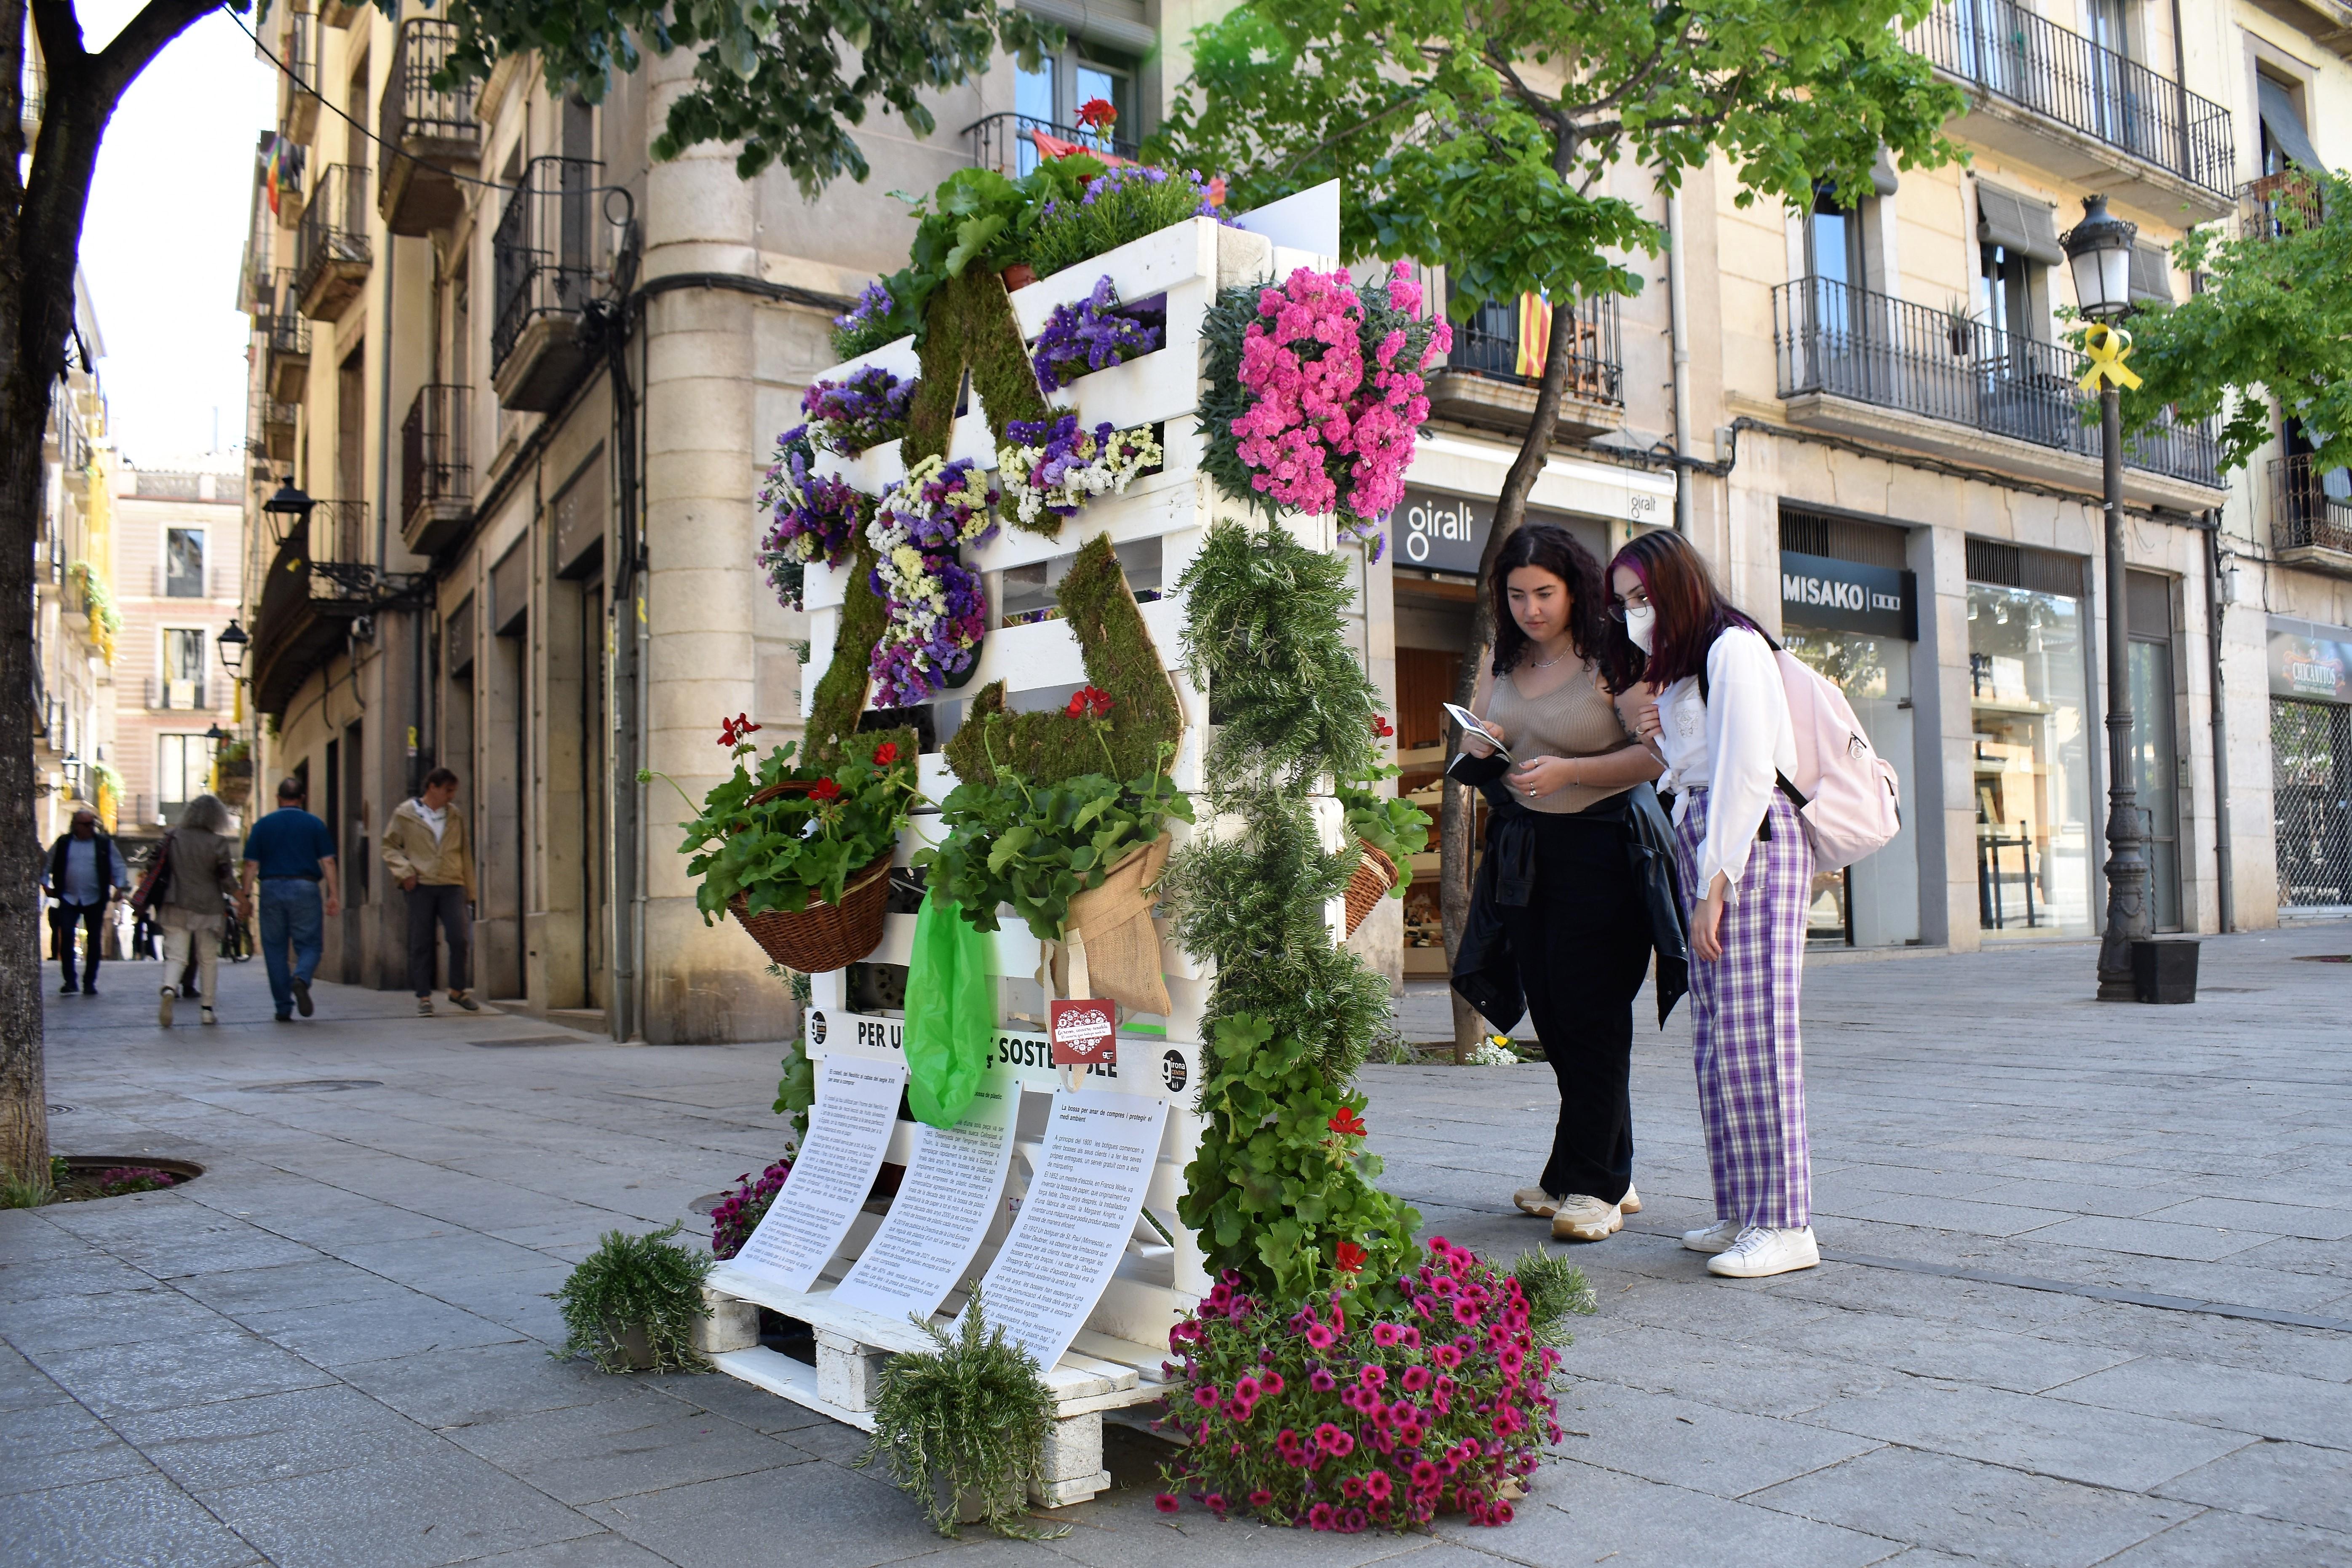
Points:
(951, 1013)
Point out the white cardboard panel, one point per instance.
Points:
(1138, 270)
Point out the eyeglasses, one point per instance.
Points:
(1640, 598)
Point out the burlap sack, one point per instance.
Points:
(1111, 947)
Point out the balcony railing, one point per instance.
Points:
(1487, 344)
(1831, 338)
(331, 251)
(1008, 142)
(437, 476)
(2005, 49)
(284, 333)
(429, 132)
(165, 695)
(2271, 205)
(338, 532)
(564, 240)
(2311, 508)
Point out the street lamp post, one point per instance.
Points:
(2098, 249)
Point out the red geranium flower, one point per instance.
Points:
(1098, 114)
(825, 789)
(886, 753)
(1349, 1257)
(1381, 727)
(1347, 1123)
(732, 731)
(1090, 702)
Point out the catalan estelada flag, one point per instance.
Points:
(1535, 334)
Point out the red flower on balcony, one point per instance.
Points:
(825, 789)
(1090, 702)
(886, 753)
(1347, 1124)
(1098, 114)
(1349, 1257)
(731, 731)
(1381, 727)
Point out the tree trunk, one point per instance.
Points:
(40, 240)
(1456, 808)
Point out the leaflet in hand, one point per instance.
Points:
(1472, 725)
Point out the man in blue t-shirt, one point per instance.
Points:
(288, 855)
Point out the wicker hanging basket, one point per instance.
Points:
(1375, 874)
(822, 936)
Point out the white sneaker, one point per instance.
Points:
(1716, 1237)
(1759, 1252)
(164, 1007)
(1583, 1218)
(1631, 1201)
(1537, 1202)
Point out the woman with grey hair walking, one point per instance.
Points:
(199, 875)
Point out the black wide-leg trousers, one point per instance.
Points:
(1582, 945)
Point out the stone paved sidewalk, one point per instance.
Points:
(331, 1349)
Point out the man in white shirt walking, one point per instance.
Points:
(425, 844)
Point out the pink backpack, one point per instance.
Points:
(1845, 791)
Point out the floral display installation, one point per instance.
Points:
(1336, 1417)
(867, 325)
(1089, 335)
(937, 610)
(848, 417)
(1115, 208)
(817, 516)
(1315, 393)
(1052, 468)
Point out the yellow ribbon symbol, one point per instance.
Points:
(2108, 348)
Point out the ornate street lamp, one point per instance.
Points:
(2098, 250)
(232, 644)
(287, 509)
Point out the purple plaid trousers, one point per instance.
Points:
(1744, 1038)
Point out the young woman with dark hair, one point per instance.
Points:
(1719, 721)
(1558, 696)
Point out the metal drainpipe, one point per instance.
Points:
(2180, 94)
(643, 716)
(2223, 861)
(1678, 334)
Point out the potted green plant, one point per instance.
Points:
(1960, 327)
(963, 1429)
(233, 774)
(800, 855)
(632, 1305)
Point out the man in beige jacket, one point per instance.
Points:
(425, 844)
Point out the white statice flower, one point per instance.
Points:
(1088, 468)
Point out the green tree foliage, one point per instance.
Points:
(788, 80)
(2272, 322)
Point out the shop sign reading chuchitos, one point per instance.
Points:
(1848, 596)
(2310, 661)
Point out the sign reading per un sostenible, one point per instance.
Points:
(1140, 1065)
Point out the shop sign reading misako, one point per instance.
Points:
(2310, 661)
(1848, 596)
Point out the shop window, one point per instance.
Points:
(2310, 802)
(2154, 743)
(2032, 738)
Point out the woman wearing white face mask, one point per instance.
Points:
(1557, 875)
(1719, 721)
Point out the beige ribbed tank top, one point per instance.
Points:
(1577, 719)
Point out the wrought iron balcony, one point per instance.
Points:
(2311, 512)
(299, 51)
(332, 252)
(1008, 142)
(558, 247)
(285, 335)
(278, 423)
(1832, 339)
(165, 695)
(1481, 383)
(429, 134)
(2269, 207)
(2005, 49)
(437, 476)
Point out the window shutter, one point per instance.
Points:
(2019, 224)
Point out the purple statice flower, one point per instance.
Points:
(740, 1212)
(867, 410)
(816, 517)
(1054, 466)
(873, 307)
(1087, 336)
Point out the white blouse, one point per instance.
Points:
(1731, 745)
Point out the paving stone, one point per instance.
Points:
(1683, 1443)
(139, 1522)
(2291, 1482)
(831, 1518)
(110, 1318)
(168, 1373)
(2264, 1404)
(58, 1445)
(2049, 1436)
(2277, 1219)
(604, 1551)
(1980, 1511)
(2222, 1540)
(271, 1436)
(376, 1329)
(409, 1511)
(1581, 1515)
(463, 1388)
(617, 1447)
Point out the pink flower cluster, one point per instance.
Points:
(1321, 434)
(1380, 1421)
